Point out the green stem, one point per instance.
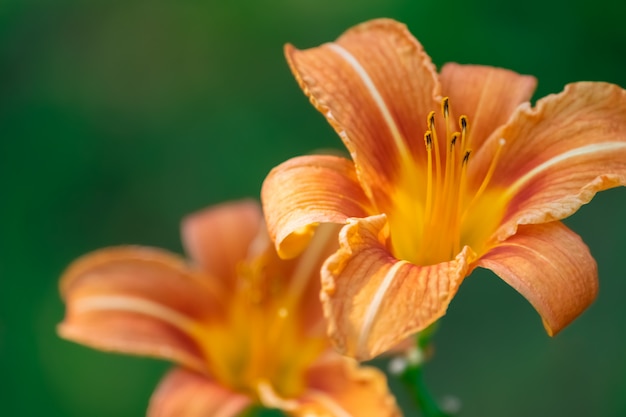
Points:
(413, 379)
(412, 374)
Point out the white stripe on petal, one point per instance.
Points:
(573, 153)
(135, 305)
(378, 99)
(372, 310)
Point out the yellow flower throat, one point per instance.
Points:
(435, 212)
(260, 348)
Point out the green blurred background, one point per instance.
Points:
(119, 117)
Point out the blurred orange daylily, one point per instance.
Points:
(450, 171)
(244, 326)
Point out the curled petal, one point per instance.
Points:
(374, 301)
(559, 154)
(488, 96)
(375, 85)
(219, 238)
(550, 266)
(186, 393)
(137, 300)
(305, 191)
(338, 387)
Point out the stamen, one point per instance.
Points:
(463, 123)
(445, 109)
(466, 157)
(451, 196)
(453, 152)
(429, 174)
(459, 206)
(489, 174)
(442, 192)
(448, 193)
(446, 197)
(431, 127)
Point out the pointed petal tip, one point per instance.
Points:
(551, 267)
(549, 329)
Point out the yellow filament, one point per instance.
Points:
(435, 141)
(429, 175)
(463, 124)
(450, 198)
(447, 179)
(452, 162)
(490, 171)
(261, 338)
(448, 176)
(461, 193)
(445, 109)
(451, 216)
(456, 196)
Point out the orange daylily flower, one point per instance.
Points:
(245, 326)
(450, 171)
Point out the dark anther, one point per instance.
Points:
(466, 157)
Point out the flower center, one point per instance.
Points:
(263, 347)
(436, 211)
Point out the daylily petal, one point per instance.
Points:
(558, 155)
(137, 300)
(304, 283)
(376, 86)
(373, 301)
(550, 266)
(488, 96)
(340, 388)
(186, 393)
(315, 189)
(219, 238)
